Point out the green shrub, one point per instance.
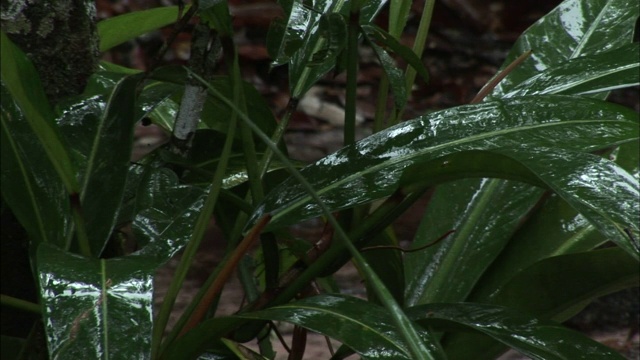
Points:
(527, 183)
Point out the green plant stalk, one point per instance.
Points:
(277, 136)
(268, 244)
(398, 13)
(352, 76)
(186, 315)
(381, 105)
(249, 150)
(196, 237)
(20, 304)
(245, 274)
(417, 348)
(418, 48)
(81, 230)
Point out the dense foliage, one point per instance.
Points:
(526, 184)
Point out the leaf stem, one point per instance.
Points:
(352, 76)
(418, 48)
(20, 304)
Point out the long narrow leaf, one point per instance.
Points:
(601, 191)
(532, 336)
(365, 327)
(573, 29)
(23, 83)
(375, 164)
(116, 30)
(107, 162)
(42, 210)
(598, 73)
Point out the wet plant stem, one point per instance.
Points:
(418, 48)
(20, 304)
(352, 76)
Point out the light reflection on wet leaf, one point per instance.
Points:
(375, 163)
(96, 308)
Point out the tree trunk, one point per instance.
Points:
(60, 38)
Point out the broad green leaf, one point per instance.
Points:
(575, 28)
(286, 36)
(374, 165)
(555, 229)
(556, 288)
(334, 29)
(166, 213)
(534, 337)
(30, 185)
(105, 303)
(447, 271)
(107, 150)
(584, 75)
(601, 191)
(23, 83)
(556, 38)
(467, 164)
(562, 282)
(365, 327)
(301, 75)
(116, 30)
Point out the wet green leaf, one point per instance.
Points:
(389, 42)
(597, 188)
(365, 327)
(23, 83)
(43, 210)
(394, 74)
(105, 145)
(555, 229)
(562, 282)
(601, 191)
(374, 165)
(286, 36)
(334, 29)
(116, 30)
(463, 255)
(93, 308)
(557, 288)
(301, 75)
(575, 28)
(166, 213)
(531, 336)
(584, 75)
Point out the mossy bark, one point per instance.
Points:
(59, 36)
